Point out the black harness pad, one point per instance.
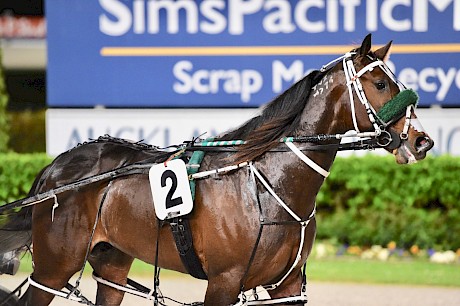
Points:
(180, 227)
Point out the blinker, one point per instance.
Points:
(389, 140)
(396, 107)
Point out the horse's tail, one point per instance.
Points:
(15, 237)
(16, 232)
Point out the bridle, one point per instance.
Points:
(404, 103)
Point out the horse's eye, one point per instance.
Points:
(380, 85)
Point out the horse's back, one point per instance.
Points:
(96, 157)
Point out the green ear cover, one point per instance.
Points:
(396, 107)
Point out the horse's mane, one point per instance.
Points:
(100, 155)
(279, 118)
(138, 145)
(156, 153)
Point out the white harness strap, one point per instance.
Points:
(298, 257)
(307, 160)
(126, 289)
(353, 82)
(68, 296)
(273, 193)
(304, 224)
(348, 76)
(408, 122)
(368, 67)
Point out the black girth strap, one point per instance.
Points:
(180, 227)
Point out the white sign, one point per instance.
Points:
(443, 126)
(170, 189)
(65, 128)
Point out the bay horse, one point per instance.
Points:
(277, 187)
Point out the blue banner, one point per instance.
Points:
(237, 53)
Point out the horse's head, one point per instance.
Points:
(381, 106)
(353, 96)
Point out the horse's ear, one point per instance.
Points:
(366, 45)
(384, 52)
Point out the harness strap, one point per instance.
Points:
(407, 123)
(353, 82)
(180, 227)
(303, 225)
(273, 194)
(350, 91)
(73, 295)
(297, 258)
(156, 272)
(192, 167)
(204, 174)
(307, 160)
(134, 291)
(285, 300)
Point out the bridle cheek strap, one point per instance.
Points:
(414, 122)
(354, 86)
(353, 82)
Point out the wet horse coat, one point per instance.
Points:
(229, 208)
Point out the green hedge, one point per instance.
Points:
(17, 173)
(365, 201)
(4, 124)
(373, 200)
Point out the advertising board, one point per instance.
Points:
(237, 53)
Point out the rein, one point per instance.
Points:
(310, 143)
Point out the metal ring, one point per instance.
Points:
(387, 136)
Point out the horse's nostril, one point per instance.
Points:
(420, 141)
(423, 144)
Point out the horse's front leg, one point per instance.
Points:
(222, 290)
(291, 286)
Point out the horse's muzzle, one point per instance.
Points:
(412, 151)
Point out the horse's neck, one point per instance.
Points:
(299, 182)
(294, 182)
(320, 115)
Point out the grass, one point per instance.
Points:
(404, 272)
(346, 269)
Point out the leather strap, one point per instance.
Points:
(180, 227)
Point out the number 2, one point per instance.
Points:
(170, 202)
